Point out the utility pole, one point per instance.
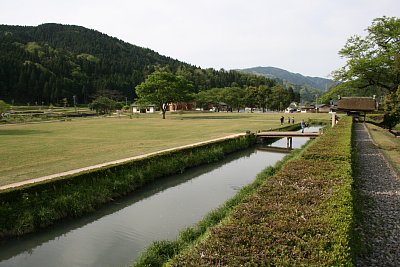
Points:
(74, 96)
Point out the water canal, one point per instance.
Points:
(116, 234)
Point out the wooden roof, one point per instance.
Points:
(356, 104)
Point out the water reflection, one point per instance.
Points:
(275, 149)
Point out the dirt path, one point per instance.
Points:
(57, 175)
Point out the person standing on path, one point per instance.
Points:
(302, 125)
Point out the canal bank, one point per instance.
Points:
(110, 163)
(110, 238)
(44, 203)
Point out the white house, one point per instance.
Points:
(293, 107)
(147, 109)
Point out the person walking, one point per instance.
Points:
(302, 125)
(282, 119)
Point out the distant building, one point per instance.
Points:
(220, 107)
(324, 108)
(180, 106)
(306, 109)
(354, 106)
(293, 107)
(147, 109)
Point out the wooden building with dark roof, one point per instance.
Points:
(356, 105)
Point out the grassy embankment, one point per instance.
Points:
(302, 216)
(387, 142)
(34, 150)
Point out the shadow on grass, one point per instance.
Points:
(21, 132)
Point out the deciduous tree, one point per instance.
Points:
(162, 88)
(279, 98)
(374, 60)
(102, 105)
(234, 97)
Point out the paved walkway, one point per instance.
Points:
(57, 175)
(379, 186)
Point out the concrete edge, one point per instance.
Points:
(110, 163)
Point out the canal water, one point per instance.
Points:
(116, 234)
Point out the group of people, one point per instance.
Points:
(288, 120)
(302, 123)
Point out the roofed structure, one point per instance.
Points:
(363, 104)
(355, 105)
(145, 109)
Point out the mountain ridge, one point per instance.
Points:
(293, 78)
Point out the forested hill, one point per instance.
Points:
(293, 78)
(50, 62)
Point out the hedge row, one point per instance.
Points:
(333, 145)
(302, 216)
(28, 208)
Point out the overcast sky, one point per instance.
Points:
(302, 36)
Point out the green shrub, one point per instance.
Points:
(334, 144)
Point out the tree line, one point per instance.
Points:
(263, 97)
(51, 62)
(163, 87)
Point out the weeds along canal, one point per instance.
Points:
(116, 234)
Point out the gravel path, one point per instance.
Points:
(379, 186)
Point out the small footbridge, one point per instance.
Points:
(288, 135)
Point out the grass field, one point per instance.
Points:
(34, 150)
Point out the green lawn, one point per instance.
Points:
(34, 150)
